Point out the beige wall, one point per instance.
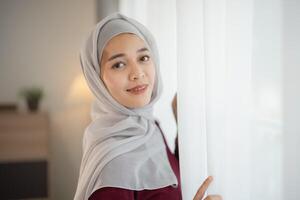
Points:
(40, 43)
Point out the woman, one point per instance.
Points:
(124, 152)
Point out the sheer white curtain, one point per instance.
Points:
(232, 71)
(229, 65)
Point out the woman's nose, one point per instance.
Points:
(136, 73)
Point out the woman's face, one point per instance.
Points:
(127, 70)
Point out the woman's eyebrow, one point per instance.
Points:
(142, 49)
(122, 54)
(116, 56)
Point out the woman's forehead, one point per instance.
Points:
(125, 40)
(124, 43)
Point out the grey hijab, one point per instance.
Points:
(122, 147)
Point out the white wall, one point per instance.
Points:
(40, 43)
(291, 98)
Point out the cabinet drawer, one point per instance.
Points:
(23, 180)
(23, 136)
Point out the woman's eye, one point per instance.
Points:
(118, 65)
(145, 58)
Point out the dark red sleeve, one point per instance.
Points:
(176, 152)
(111, 193)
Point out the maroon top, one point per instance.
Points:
(169, 192)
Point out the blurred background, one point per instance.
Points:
(39, 61)
(40, 44)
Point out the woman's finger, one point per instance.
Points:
(213, 197)
(201, 191)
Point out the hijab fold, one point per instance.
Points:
(122, 147)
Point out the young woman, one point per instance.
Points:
(125, 155)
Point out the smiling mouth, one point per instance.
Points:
(138, 89)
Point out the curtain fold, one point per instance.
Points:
(191, 66)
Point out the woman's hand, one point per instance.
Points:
(201, 191)
(174, 106)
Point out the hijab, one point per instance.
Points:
(122, 147)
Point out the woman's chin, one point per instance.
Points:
(137, 104)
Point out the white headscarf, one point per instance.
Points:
(122, 147)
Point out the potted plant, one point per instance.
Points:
(32, 95)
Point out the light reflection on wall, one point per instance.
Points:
(79, 93)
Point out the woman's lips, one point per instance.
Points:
(138, 89)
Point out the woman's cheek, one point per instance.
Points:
(118, 81)
(152, 75)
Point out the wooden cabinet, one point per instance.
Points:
(23, 155)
